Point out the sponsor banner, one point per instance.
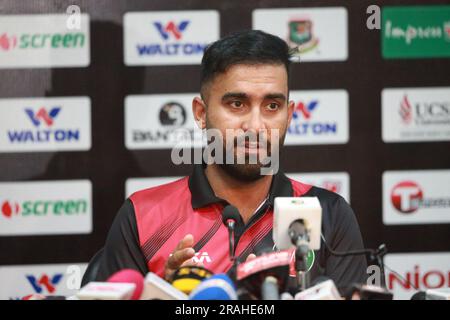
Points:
(338, 182)
(320, 117)
(418, 271)
(168, 37)
(416, 197)
(160, 121)
(415, 32)
(46, 279)
(416, 114)
(44, 40)
(45, 124)
(320, 34)
(45, 207)
(136, 184)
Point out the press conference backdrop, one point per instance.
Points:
(88, 107)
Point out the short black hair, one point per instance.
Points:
(244, 47)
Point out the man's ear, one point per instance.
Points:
(291, 106)
(199, 111)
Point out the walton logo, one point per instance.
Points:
(201, 257)
(44, 135)
(7, 42)
(405, 110)
(43, 115)
(45, 282)
(10, 208)
(305, 110)
(406, 197)
(171, 28)
(302, 125)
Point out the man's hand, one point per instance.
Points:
(181, 256)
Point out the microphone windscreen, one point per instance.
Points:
(218, 287)
(129, 276)
(230, 212)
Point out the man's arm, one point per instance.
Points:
(346, 236)
(122, 250)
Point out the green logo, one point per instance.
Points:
(301, 34)
(310, 258)
(415, 32)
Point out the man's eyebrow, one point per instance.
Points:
(275, 96)
(234, 95)
(242, 95)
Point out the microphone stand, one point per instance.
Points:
(300, 239)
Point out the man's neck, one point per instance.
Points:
(246, 196)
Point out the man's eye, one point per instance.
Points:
(273, 106)
(237, 104)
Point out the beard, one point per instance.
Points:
(248, 171)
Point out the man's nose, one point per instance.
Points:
(254, 121)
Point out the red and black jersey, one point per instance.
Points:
(151, 223)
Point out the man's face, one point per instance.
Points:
(250, 99)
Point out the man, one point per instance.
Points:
(244, 87)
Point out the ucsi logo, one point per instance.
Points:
(45, 284)
(9, 209)
(42, 115)
(201, 257)
(406, 110)
(7, 42)
(171, 29)
(305, 110)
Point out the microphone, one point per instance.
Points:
(297, 222)
(129, 276)
(265, 276)
(217, 287)
(156, 288)
(432, 294)
(188, 278)
(230, 216)
(325, 289)
(126, 284)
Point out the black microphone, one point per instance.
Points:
(230, 216)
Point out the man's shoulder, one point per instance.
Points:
(164, 192)
(324, 195)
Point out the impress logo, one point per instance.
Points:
(39, 41)
(171, 29)
(415, 31)
(168, 37)
(45, 284)
(45, 124)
